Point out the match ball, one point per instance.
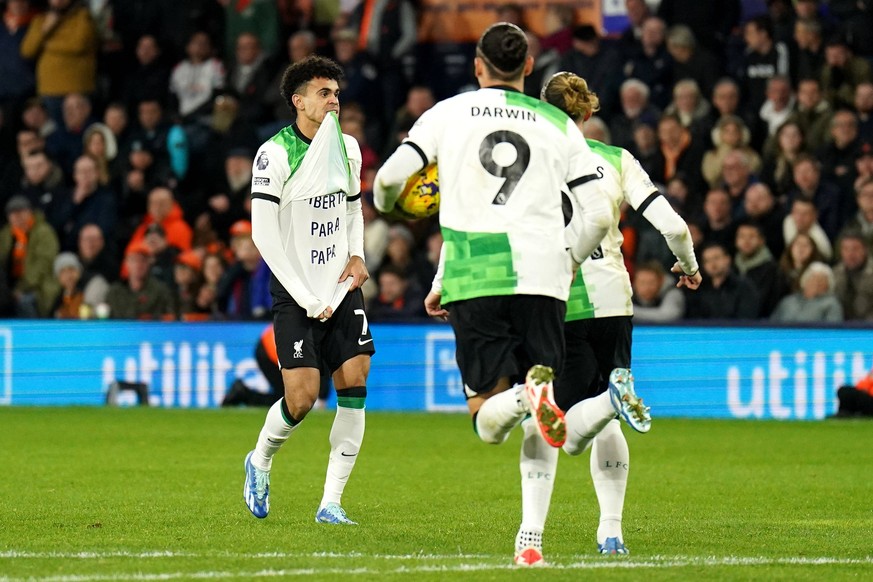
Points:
(420, 197)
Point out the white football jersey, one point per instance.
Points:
(311, 183)
(503, 160)
(602, 287)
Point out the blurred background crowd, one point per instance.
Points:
(128, 129)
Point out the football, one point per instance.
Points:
(420, 197)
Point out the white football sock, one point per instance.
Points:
(500, 414)
(528, 539)
(538, 464)
(346, 437)
(584, 420)
(273, 435)
(610, 463)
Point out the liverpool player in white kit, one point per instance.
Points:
(599, 312)
(503, 158)
(308, 225)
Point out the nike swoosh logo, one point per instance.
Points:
(360, 343)
(347, 455)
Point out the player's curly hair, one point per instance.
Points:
(298, 74)
(570, 93)
(503, 49)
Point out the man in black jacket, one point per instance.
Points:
(723, 293)
(755, 262)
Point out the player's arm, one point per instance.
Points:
(413, 155)
(585, 186)
(356, 266)
(406, 160)
(595, 217)
(267, 182)
(647, 200)
(433, 301)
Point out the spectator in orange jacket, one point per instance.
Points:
(163, 209)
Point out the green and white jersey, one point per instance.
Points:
(602, 287)
(311, 185)
(503, 159)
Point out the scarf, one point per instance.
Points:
(671, 155)
(15, 21)
(746, 264)
(19, 249)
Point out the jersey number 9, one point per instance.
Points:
(510, 173)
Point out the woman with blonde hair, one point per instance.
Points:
(99, 142)
(689, 105)
(780, 153)
(729, 134)
(798, 255)
(598, 324)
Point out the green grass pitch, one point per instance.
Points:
(93, 494)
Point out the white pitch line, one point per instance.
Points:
(654, 562)
(91, 555)
(585, 559)
(96, 555)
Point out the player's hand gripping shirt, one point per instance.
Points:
(503, 159)
(602, 287)
(306, 211)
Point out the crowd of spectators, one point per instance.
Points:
(128, 129)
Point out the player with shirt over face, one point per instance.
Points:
(503, 158)
(596, 376)
(308, 225)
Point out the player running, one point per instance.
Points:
(597, 377)
(503, 158)
(308, 225)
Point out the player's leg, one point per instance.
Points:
(283, 418)
(539, 320)
(487, 336)
(540, 323)
(608, 340)
(627, 403)
(538, 464)
(610, 457)
(588, 416)
(610, 463)
(347, 349)
(346, 437)
(496, 412)
(578, 382)
(296, 345)
(504, 408)
(484, 350)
